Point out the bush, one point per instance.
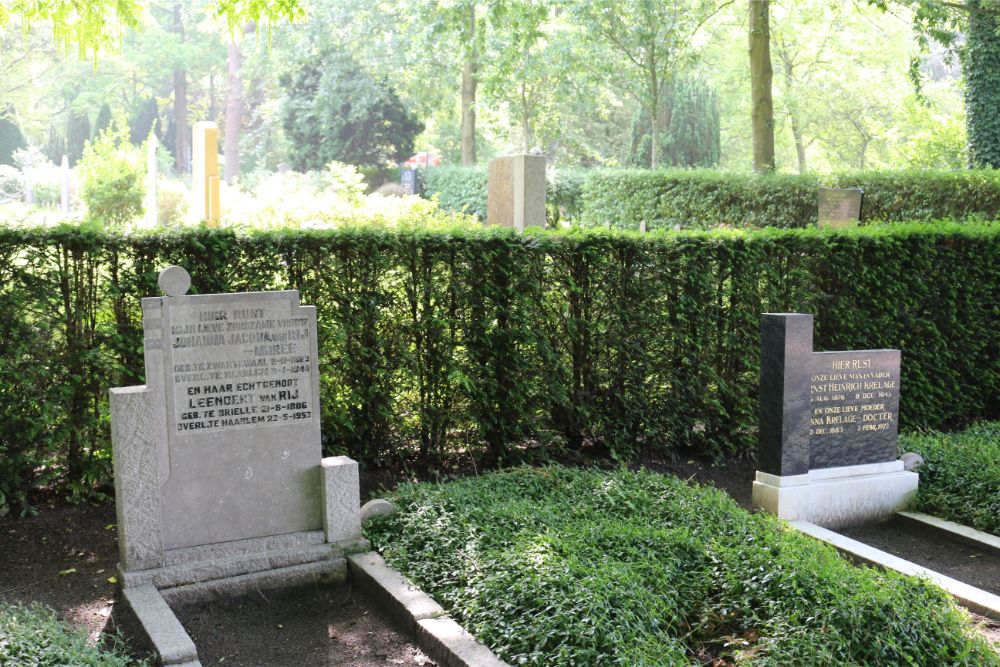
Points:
(34, 635)
(459, 189)
(557, 567)
(960, 477)
(112, 177)
(441, 341)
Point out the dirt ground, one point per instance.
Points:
(65, 557)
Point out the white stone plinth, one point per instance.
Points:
(837, 497)
(341, 499)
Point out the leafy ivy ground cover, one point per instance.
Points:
(566, 567)
(960, 477)
(34, 635)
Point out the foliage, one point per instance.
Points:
(437, 338)
(461, 189)
(982, 81)
(691, 138)
(960, 477)
(77, 136)
(701, 199)
(11, 140)
(560, 567)
(336, 111)
(111, 177)
(34, 635)
(144, 119)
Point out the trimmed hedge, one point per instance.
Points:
(701, 199)
(960, 477)
(559, 568)
(480, 342)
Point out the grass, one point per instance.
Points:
(562, 567)
(34, 635)
(960, 477)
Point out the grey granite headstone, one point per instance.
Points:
(515, 191)
(218, 455)
(840, 208)
(410, 182)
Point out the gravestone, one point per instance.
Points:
(840, 208)
(828, 427)
(219, 480)
(205, 201)
(515, 191)
(408, 179)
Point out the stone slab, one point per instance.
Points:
(341, 492)
(515, 191)
(974, 599)
(786, 342)
(954, 531)
(841, 501)
(222, 568)
(328, 571)
(446, 641)
(165, 632)
(406, 603)
(137, 480)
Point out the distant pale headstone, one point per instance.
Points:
(515, 191)
(205, 172)
(828, 428)
(151, 182)
(217, 457)
(64, 172)
(840, 208)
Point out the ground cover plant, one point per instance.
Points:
(34, 635)
(555, 567)
(960, 476)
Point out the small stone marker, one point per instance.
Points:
(840, 208)
(205, 172)
(828, 428)
(410, 182)
(515, 191)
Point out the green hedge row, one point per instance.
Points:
(702, 199)
(484, 342)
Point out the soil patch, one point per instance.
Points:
(315, 625)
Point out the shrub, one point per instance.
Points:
(960, 477)
(111, 177)
(558, 567)
(459, 189)
(34, 635)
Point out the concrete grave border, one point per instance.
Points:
(974, 599)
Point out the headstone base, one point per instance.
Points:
(837, 497)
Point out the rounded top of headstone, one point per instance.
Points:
(174, 281)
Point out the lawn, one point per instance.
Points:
(556, 567)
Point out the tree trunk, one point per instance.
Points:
(982, 95)
(180, 105)
(762, 107)
(654, 113)
(788, 68)
(469, 83)
(234, 107)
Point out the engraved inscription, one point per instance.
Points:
(239, 365)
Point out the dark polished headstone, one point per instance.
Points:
(410, 182)
(840, 208)
(786, 346)
(823, 409)
(855, 406)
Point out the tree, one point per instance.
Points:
(979, 21)
(11, 140)
(77, 135)
(144, 119)
(103, 119)
(336, 111)
(691, 136)
(762, 107)
(651, 40)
